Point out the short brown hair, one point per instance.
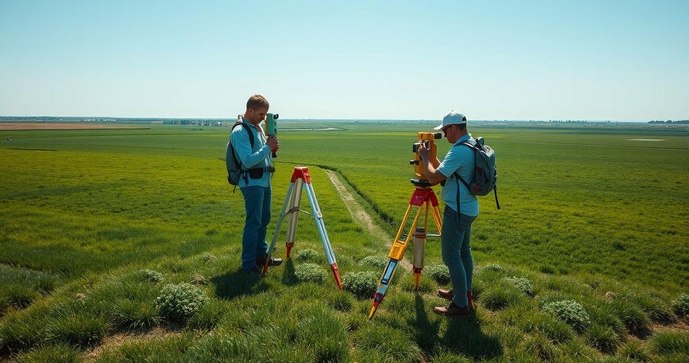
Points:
(257, 102)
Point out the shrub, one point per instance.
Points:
(361, 284)
(307, 255)
(681, 305)
(493, 267)
(310, 272)
(375, 261)
(179, 302)
(603, 338)
(571, 312)
(523, 284)
(439, 273)
(150, 276)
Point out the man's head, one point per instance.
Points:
(454, 126)
(256, 108)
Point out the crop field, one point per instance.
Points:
(102, 231)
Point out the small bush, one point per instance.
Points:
(523, 284)
(602, 338)
(634, 350)
(681, 306)
(669, 342)
(571, 312)
(493, 267)
(439, 273)
(375, 261)
(361, 284)
(307, 255)
(53, 353)
(310, 272)
(179, 302)
(150, 276)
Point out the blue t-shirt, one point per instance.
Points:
(258, 157)
(460, 159)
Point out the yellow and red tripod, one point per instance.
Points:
(302, 180)
(423, 198)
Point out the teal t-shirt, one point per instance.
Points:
(460, 159)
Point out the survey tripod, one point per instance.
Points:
(423, 198)
(290, 208)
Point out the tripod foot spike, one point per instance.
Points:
(289, 249)
(337, 276)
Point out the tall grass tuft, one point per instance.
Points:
(634, 350)
(323, 335)
(602, 338)
(500, 296)
(439, 273)
(76, 329)
(60, 353)
(634, 319)
(134, 315)
(669, 342)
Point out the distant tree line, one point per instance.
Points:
(669, 122)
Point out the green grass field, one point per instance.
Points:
(96, 224)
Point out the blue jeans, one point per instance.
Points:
(257, 205)
(454, 244)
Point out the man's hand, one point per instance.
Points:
(424, 150)
(273, 143)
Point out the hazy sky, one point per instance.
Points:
(595, 60)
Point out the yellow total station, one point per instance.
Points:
(426, 138)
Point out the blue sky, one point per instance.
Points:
(518, 60)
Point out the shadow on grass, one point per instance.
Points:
(463, 336)
(238, 283)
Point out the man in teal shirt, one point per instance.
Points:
(457, 219)
(255, 183)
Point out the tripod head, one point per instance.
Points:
(426, 138)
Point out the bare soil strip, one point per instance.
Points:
(24, 126)
(360, 215)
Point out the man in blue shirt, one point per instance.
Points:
(255, 183)
(457, 219)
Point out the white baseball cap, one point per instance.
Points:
(452, 118)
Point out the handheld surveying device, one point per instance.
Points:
(424, 138)
(271, 127)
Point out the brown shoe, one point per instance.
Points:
(451, 310)
(446, 294)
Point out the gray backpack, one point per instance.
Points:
(485, 176)
(232, 163)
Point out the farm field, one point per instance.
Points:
(96, 223)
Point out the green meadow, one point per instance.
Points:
(124, 245)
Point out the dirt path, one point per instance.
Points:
(360, 215)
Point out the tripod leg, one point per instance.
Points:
(396, 255)
(320, 224)
(269, 250)
(294, 204)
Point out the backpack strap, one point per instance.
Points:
(251, 141)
